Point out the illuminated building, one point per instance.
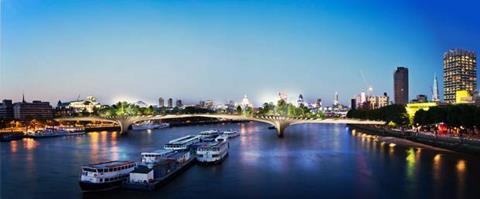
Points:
(413, 107)
(371, 102)
(463, 97)
(88, 105)
(400, 85)
(459, 73)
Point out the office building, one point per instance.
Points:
(459, 73)
(6, 109)
(170, 103)
(400, 85)
(35, 110)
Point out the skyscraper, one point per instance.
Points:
(161, 102)
(459, 73)
(179, 103)
(435, 97)
(335, 101)
(400, 85)
(170, 103)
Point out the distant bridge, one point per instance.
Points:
(279, 122)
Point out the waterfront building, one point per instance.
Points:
(35, 110)
(364, 101)
(89, 104)
(6, 109)
(178, 103)
(170, 103)
(459, 73)
(400, 85)
(435, 96)
(161, 102)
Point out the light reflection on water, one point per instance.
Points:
(310, 160)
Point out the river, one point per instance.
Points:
(311, 161)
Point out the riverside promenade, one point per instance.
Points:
(458, 144)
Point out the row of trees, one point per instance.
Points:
(395, 114)
(462, 115)
(288, 110)
(126, 109)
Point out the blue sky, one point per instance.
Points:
(55, 49)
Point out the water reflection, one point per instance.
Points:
(30, 144)
(13, 146)
(309, 161)
(94, 148)
(461, 166)
(411, 164)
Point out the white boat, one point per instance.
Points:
(231, 134)
(48, 132)
(72, 129)
(105, 175)
(212, 152)
(209, 134)
(155, 156)
(182, 143)
(149, 125)
(221, 138)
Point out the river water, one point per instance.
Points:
(311, 161)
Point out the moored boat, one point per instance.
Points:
(105, 175)
(182, 143)
(166, 166)
(212, 152)
(231, 133)
(209, 134)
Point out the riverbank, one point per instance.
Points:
(458, 144)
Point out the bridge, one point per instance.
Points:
(279, 122)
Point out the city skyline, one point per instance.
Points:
(223, 50)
